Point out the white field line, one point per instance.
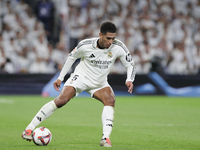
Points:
(6, 101)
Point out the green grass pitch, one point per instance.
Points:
(141, 123)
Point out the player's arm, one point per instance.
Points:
(129, 64)
(56, 84)
(68, 63)
(76, 53)
(130, 77)
(129, 84)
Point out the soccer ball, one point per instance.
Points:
(42, 136)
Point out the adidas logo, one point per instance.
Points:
(109, 125)
(39, 118)
(92, 56)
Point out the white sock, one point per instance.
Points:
(107, 120)
(45, 112)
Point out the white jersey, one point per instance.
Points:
(95, 63)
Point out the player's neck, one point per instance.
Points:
(98, 45)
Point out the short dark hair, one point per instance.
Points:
(108, 27)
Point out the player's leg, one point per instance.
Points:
(107, 97)
(66, 94)
(47, 110)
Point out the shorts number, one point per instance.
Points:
(75, 77)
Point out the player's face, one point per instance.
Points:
(106, 39)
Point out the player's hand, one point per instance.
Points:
(56, 84)
(129, 84)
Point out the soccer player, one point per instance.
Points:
(97, 58)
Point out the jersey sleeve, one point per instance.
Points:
(71, 58)
(128, 62)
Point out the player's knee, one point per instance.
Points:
(111, 101)
(60, 101)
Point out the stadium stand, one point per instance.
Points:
(162, 35)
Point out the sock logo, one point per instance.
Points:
(109, 120)
(39, 118)
(43, 113)
(109, 125)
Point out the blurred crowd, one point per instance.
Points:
(24, 43)
(162, 35)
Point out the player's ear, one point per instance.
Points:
(100, 34)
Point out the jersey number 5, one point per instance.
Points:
(75, 77)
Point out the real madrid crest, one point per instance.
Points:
(110, 55)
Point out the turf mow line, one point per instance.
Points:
(160, 125)
(86, 125)
(6, 101)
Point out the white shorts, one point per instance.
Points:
(83, 84)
